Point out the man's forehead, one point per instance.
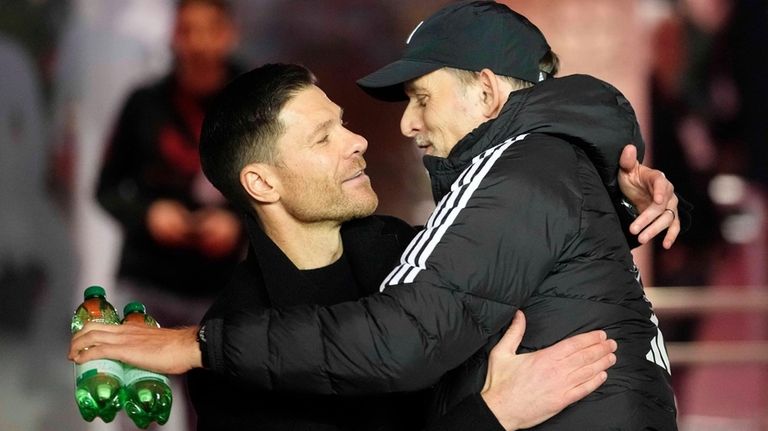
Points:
(310, 102)
(429, 82)
(308, 112)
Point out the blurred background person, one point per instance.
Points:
(180, 238)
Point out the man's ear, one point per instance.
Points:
(259, 180)
(493, 99)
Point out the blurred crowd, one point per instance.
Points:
(708, 92)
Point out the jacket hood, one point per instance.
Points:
(581, 109)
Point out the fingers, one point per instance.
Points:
(77, 339)
(672, 232)
(99, 351)
(589, 377)
(663, 197)
(593, 355)
(569, 346)
(674, 228)
(663, 190)
(584, 389)
(643, 220)
(666, 219)
(655, 219)
(98, 334)
(594, 358)
(592, 368)
(652, 220)
(87, 342)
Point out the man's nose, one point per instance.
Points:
(358, 143)
(410, 122)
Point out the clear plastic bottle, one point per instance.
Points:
(148, 396)
(98, 383)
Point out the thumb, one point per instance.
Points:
(514, 335)
(628, 159)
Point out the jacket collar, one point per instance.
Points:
(370, 251)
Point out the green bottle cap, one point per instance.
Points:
(134, 307)
(92, 291)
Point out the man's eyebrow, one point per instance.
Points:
(325, 125)
(410, 87)
(320, 127)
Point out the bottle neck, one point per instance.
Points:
(93, 305)
(134, 318)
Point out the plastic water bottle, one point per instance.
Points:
(97, 383)
(147, 395)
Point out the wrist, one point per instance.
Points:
(194, 348)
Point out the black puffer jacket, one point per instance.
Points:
(523, 221)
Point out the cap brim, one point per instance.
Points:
(387, 83)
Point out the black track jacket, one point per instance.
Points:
(523, 221)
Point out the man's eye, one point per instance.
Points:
(421, 101)
(323, 140)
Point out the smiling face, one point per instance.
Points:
(321, 169)
(441, 111)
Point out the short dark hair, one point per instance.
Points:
(242, 125)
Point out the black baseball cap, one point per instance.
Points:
(471, 35)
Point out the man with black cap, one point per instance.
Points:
(523, 221)
(521, 211)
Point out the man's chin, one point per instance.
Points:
(365, 208)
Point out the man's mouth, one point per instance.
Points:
(356, 175)
(423, 144)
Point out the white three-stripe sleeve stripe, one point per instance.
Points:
(655, 352)
(658, 352)
(396, 275)
(659, 340)
(438, 216)
(663, 350)
(463, 193)
(416, 254)
(464, 179)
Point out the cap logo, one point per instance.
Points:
(413, 32)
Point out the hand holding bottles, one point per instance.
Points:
(100, 343)
(163, 350)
